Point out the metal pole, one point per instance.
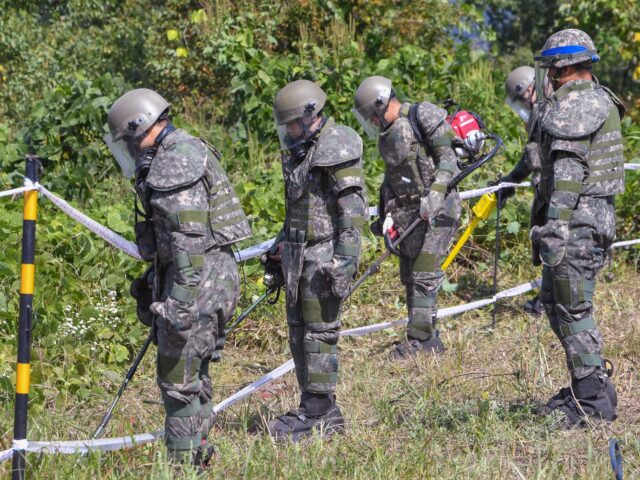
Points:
(27, 274)
(132, 371)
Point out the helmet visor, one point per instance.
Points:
(368, 119)
(122, 153)
(292, 133)
(540, 79)
(522, 107)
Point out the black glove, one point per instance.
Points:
(506, 192)
(273, 276)
(142, 290)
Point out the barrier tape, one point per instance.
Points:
(117, 443)
(16, 191)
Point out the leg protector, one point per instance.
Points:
(320, 344)
(183, 427)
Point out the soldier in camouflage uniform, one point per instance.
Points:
(521, 97)
(573, 217)
(319, 248)
(415, 143)
(192, 217)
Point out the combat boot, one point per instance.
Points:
(317, 412)
(203, 456)
(595, 397)
(412, 347)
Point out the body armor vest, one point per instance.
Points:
(601, 147)
(409, 170)
(314, 212)
(311, 195)
(225, 220)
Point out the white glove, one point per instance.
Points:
(388, 224)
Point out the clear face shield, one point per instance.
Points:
(368, 119)
(124, 154)
(295, 132)
(371, 117)
(542, 85)
(523, 105)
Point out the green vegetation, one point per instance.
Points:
(220, 63)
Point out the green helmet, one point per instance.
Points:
(130, 117)
(295, 107)
(371, 102)
(519, 87)
(568, 47)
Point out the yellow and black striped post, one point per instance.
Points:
(27, 274)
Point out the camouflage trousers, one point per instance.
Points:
(421, 256)
(567, 288)
(184, 354)
(314, 324)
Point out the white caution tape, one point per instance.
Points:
(625, 243)
(82, 446)
(20, 444)
(103, 232)
(6, 454)
(16, 191)
(255, 386)
(355, 332)
(632, 166)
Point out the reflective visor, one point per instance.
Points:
(120, 152)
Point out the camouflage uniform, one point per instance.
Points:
(414, 174)
(196, 217)
(326, 207)
(573, 218)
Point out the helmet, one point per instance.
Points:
(568, 47)
(519, 86)
(371, 102)
(294, 108)
(129, 118)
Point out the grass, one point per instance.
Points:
(465, 414)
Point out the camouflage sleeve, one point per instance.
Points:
(521, 170)
(186, 210)
(439, 136)
(444, 156)
(568, 174)
(347, 182)
(387, 195)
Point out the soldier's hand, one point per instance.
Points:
(276, 253)
(142, 290)
(505, 192)
(388, 227)
(180, 315)
(340, 272)
(431, 205)
(273, 276)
